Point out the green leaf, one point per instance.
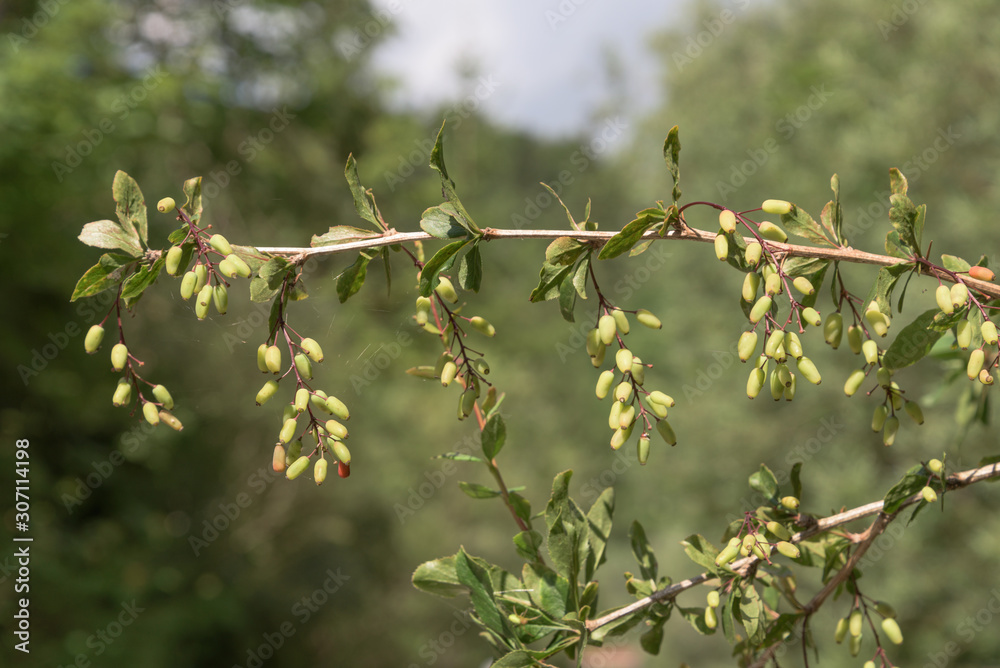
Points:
(352, 278)
(442, 222)
(470, 270)
(547, 590)
(193, 207)
(581, 274)
(387, 266)
(473, 576)
(108, 234)
(265, 286)
(651, 640)
(804, 266)
(550, 280)
(599, 520)
(567, 298)
(671, 155)
(527, 544)
(564, 251)
(801, 224)
(626, 238)
(751, 612)
(106, 274)
(796, 480)
(521, 506)
(341, 234)
(696, 617)
(903, 216)
(894, 245)
(178, 235)
(955, 264)
(885, 282)
(440, 260)
(519, 658)
(572, 223)
(438, 577)
(764, 482)
(131, 206)
(918, 226)
(565, 536)
(559, 499)
(913, 341)
(362, 202)
(781, 629)
(700, 551)
(458, 457)
(642, 552)
(493, 436)
(477, 491)
(897, 182)
(911, 483)
(727, 613)
(136, 284)
(448, 186)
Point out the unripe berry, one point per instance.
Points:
(789, 550)
(166, 205)
(943, 297)
(242, 268)
(202, 301)
(793, 345)
(721, 246)
(878, 417)
(959, 295)
(811, 316)
(928, 493)
(482, 325)
(342, 452)
(623, 359)
(638, 371)
(776, 385)
(187, 285)
(711, 620)
(618, 438)
(662, 399)
(604, 382)
(803, 285)
(201, 276)
(303, 366)
(729, 552)
(772, 286)
(301, 400)
(976, 360)
(312, 349)
(870, 349)
(884, 377)
(167, 418)
(713, 598)
(172, 263)
(626, 417)
(287, 430)
(790, 390)
(272, 359)
(833, 329)
(227, 268)
(262, 358)
(297, 467)
(727, 221)
(467, 402)
(123, 393)
(981, 273)
(889, 432)
(623, 392)
(338, 408)
(854, 382)
(266, 392)
(607, 328)
(841, 631)
(747, 345)
(448, 372)
(770, 231)
(784, 374)
(809, 371)
(869, 664)
(92, 341)
(666, 432)
(778, 530)
(854, 644)
(219, 243)
(879, 321)
(774, 341)
(151, 412)
(760, 309)
(647, 319)
(963, 334)
(755, 382)
(855, 622)
(752, 253)
(984, 377)
(119, 356)
(750, 284)
(446, 290)
(854, 339)
(776, 207)
(336, 430)
(162, 394)
(481, 366)
(935, 466)
(989, 332)
(594, 343)
(885, 609)
(220, 296)
(278, 458)
(790, 502)
(891, 629)
(614, 416)
(319, 471)
(423, 310)
(659, 410)
(621, 320)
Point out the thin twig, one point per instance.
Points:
(952, 482)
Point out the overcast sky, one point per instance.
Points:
(544, 59)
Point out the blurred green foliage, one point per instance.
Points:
(265, 101)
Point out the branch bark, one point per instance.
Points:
(953, 482)
(599, 238)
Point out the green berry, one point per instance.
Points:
(621, 320)
(172, 264)
(202, 301)
(342, 452)
(721, 246)
(890, 429)
(711, 620)
(746, 345)
(778, 530)
(303, 366)
(879, 321)
(959, 295)
(884, 377)
(201, 276)
(774, 341)
(727, 221)
(423, 310)
(803, 285)
(266, 392)
(319, 471)
(92, 341)
(885, 609)
(854, 382)
(772, 232)
(772, 285)
(755, 382)
(151, 413)
(760, 309)
(879, 417)
(750, 284)
(729, 552)
(776, 207)
(272, 359)
(943, 297)
(752, 253)
(666, 432)
(338, 408)
(811, 316)
(809, 371)
(162, 394)
(659, 410)
(623, 360)
(935, 466)
(833, 329)
(220, 297)
(312, 349)
(623, 392)
(123, 393)
(297, 467)
(187, 285)
(482, 325)
(119, 356)
(789, 550)
(301, 400)
(167, 418)
(854, 644)
(662, 399)
(841, 631)
(793, 345)
(219, 243)
(446, 290)
(637, 371)
(989, 332)
(891, 629)
(242, 268)
(647, 319)
(928, 493)
(963, 334)
(626, 417)
(713, 598)
(870, 349)
(789, 502)
(855, 622)
(854, 339)
(287, 430)
(976, 360)
(166, 205)
(607, 328)
(604, 382)
(336, 430)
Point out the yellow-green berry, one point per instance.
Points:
(92, 341)
(166, 205)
